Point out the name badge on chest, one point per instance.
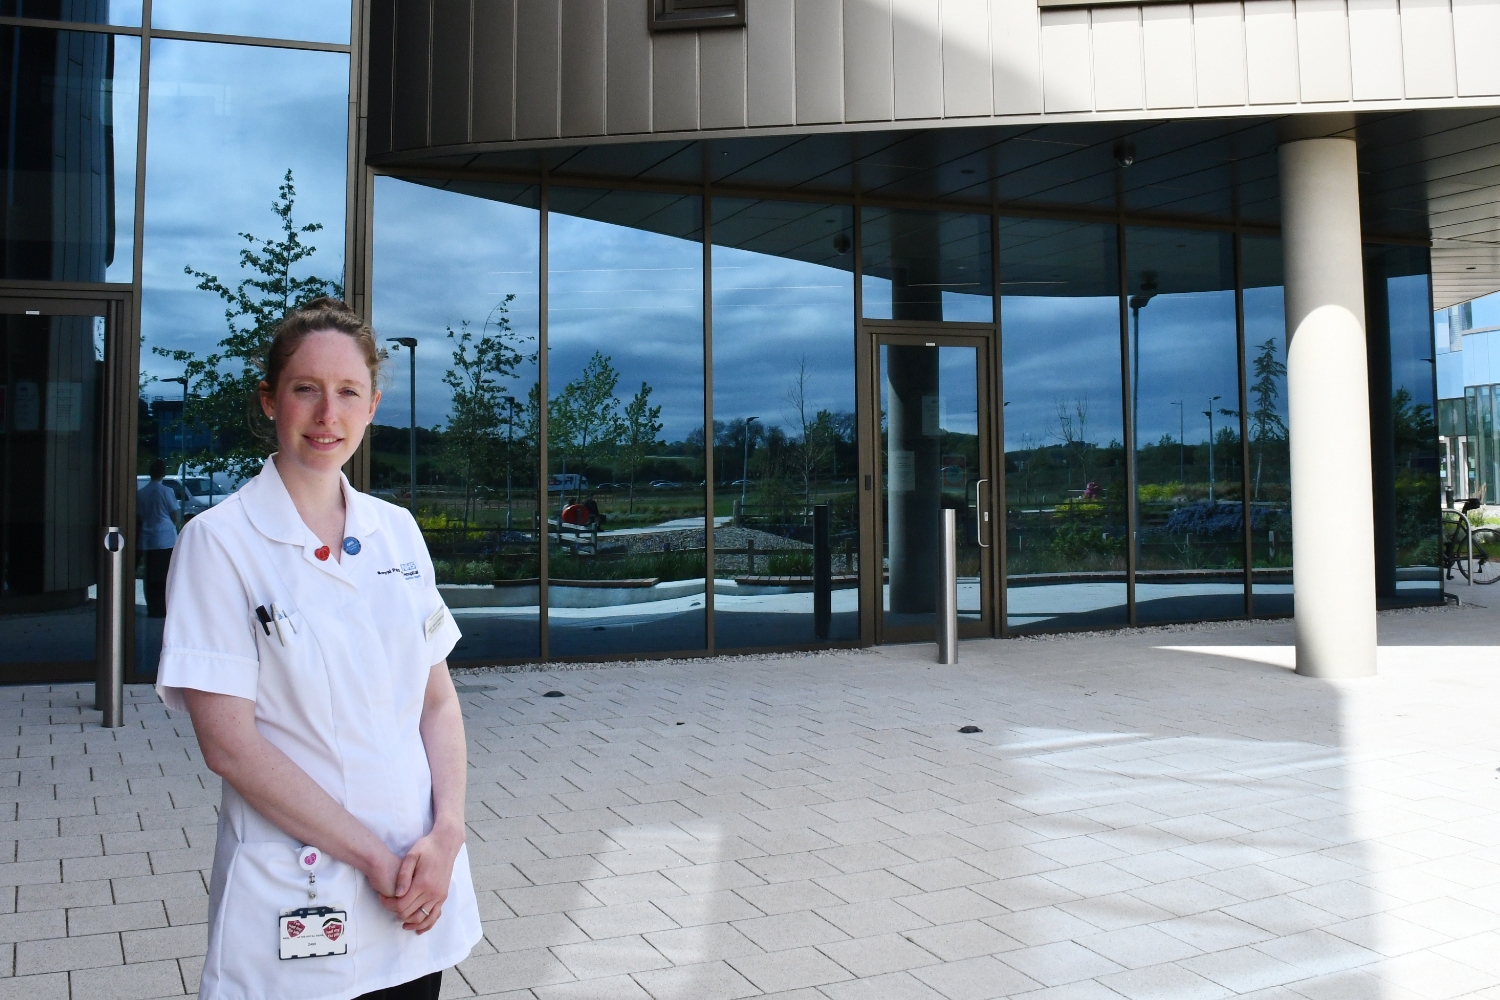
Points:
(313, 931)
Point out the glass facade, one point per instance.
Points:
(665, 421)
(1065, 461)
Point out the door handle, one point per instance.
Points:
(981, 515)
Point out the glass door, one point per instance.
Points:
(934, 453)
(52, 378)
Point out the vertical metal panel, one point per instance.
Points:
(721, 80)
(1271, 51)
(450, 72)
(1476, 30)
(710, 636)
(1168, 48)
(1067, 81)
(818, 51)
(1116, 42)
(1016, 56)
(494, 70)
(1427, 48)
(582, 67)
(771, 92)
(1219, 54)
(627, 105)
(917, 57)
(1323, 50)
(537, 43)
(381, 56)
(869, 87)
(674, 81)
(1375, 50)
(410, 78)
(967, 90)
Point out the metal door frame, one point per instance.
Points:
(117, 432)
(983, 338)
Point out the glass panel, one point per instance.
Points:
(1190, 556)
(456, 272)
(930, 459)
(307, 20)
(1270, 461)
(928, 266)
(1417, 501)
(242, 103)
(625, 485)
(68, 101)
(1064, 450)
(126, 13)
(52, 385)
(784, 368)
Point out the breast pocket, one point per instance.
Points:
(284, 639)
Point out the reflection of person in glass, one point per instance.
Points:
(309, 643)
(156, 508)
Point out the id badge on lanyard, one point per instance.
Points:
(313, 931)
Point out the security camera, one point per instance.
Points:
(1125, 153)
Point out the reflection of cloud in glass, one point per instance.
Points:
(1187, 354)
(1059, 350)
(226, 122)
(442, 258)
(305, 20)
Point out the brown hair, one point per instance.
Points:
(320, 314)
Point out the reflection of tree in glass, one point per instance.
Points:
(1072, 431)
(1266, 424)
(583, 422)
(224, 383)
(641, 428)
(474, 444)
(817, 433)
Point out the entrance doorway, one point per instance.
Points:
(55, 371)
(935, 420)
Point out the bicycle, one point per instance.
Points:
(1474, 552)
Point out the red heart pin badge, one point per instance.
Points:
(295, 927)
(332, 929)
(321, 553)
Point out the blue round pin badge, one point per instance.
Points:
(351, 545)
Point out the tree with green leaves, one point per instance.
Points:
(1266, 425)
(642, 427)
(473, 442)
(222, 385)
(583, 422)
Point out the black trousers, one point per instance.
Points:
(157, 561)
(426, 988)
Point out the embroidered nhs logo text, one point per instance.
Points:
(409, 571)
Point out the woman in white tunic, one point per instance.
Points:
(306, 638)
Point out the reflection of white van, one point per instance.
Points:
(570, 482)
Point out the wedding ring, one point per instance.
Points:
(426, 912)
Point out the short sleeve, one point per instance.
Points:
(207, 642)
(444, 634)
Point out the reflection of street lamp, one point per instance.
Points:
(1209, 413)
(510, 440)
(745, 471)
(1181, 441)
(1138, 302)
(410, 343)
(182, 422)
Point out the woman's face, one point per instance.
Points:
(323, 402)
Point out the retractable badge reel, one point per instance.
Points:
(313, 931)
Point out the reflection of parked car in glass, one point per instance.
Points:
(567, 481)
(194, 492)
(664, 484)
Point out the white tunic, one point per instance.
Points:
(343, 699)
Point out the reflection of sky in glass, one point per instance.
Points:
(959, 400)
(1411, 340)
(637, 298)
(770, 315)
(1187, 354)
(126, 13)
(1265, 320)
(125, 91)
(442, 258)
(1058, 351)
(305, 20)
(226, 123)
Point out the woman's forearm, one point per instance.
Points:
(442, 729)
(277, 788)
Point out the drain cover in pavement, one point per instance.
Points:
(971, 729)
(553, 694)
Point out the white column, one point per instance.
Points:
(1333, 522)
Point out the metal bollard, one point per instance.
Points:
(822, 573)
(109, 685)
(947, 595)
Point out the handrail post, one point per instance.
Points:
(109, 684)
(947, 596)
(822, 573)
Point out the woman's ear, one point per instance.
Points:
(267, 400)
